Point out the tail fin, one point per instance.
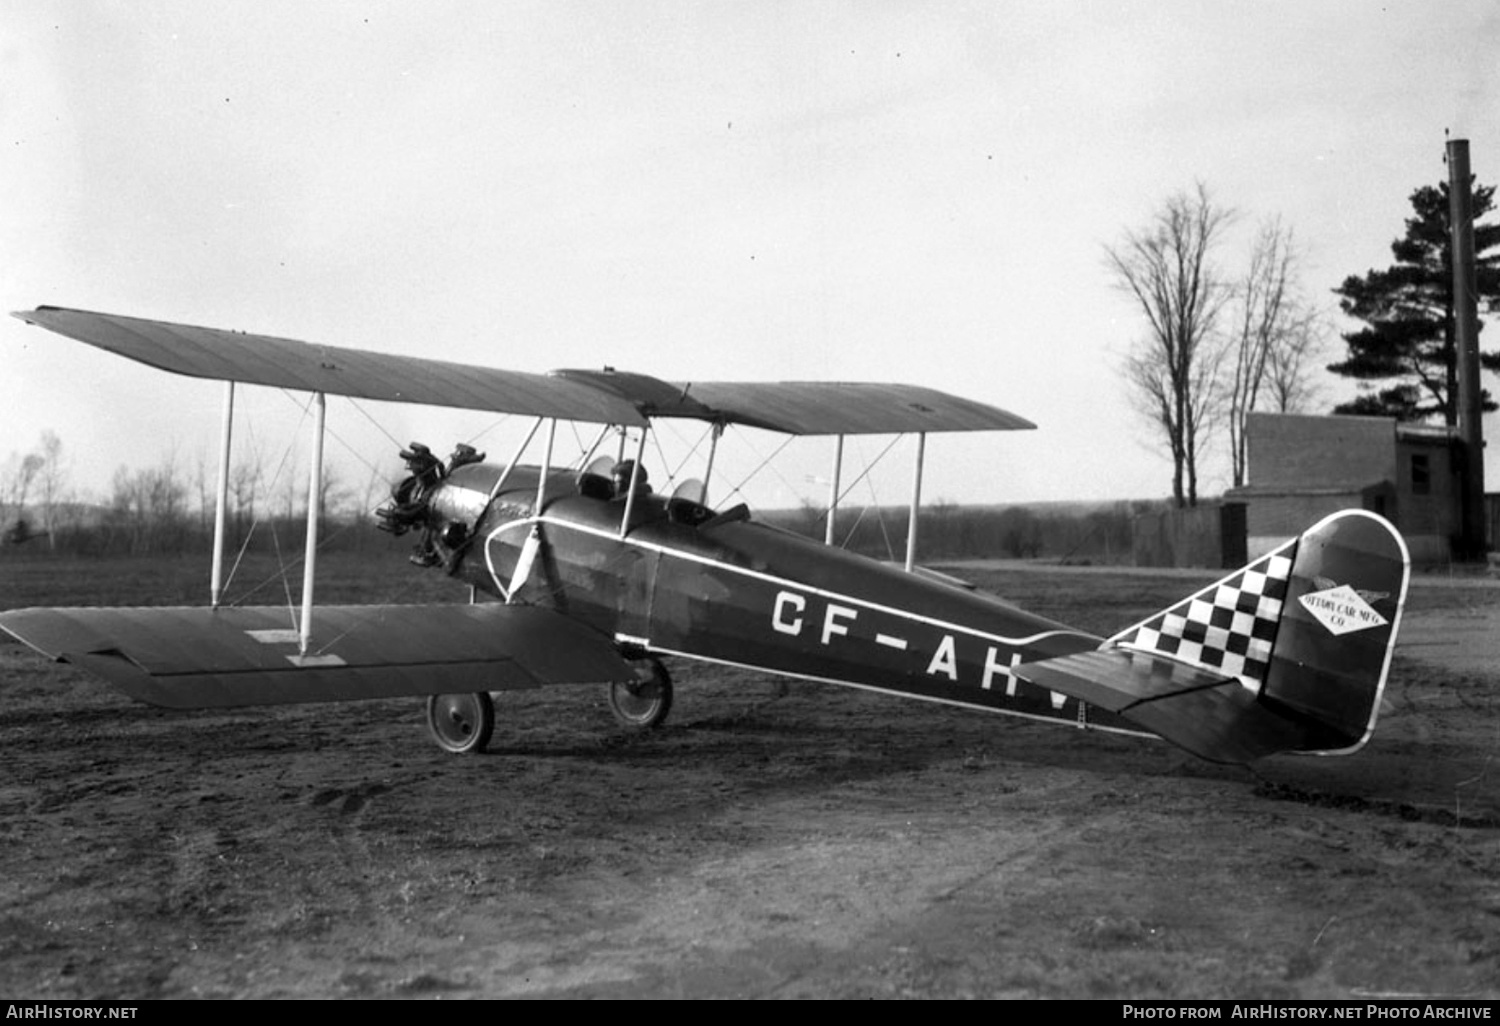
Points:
(1308, 629)
(1289, 654)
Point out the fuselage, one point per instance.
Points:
(682, 580)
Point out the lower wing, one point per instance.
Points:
(194, 658)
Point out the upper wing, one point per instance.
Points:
(193, 658)
(805, 407)
(603, 397)
(850, 408)
(287, 363)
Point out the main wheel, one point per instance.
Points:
(642, 703)
(461, 724)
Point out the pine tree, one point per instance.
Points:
(1408, 312)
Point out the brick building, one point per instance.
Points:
(1302, 468)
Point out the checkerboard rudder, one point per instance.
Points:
(1228, 627)
(1308, 627)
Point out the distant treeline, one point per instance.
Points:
(1072, 532)
(96, 532)
(168, 509)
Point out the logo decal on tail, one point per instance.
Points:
(1341, 609)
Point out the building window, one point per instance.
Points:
(1421, 474)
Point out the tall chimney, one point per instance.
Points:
(1473, 544)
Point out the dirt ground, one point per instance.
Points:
(769, 841)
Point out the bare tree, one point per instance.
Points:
(20, 473)
(205, 484)
(1274, 330)
(150, 505)
(291, 483)
(1167, 266)
(246, 477)
(51, 480)
(334, 494)
(377, 490)
(1289, 385)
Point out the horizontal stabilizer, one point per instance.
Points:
(193, 658)
(1116, 679)
(1213, 716)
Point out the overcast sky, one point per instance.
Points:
(898, 191)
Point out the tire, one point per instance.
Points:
(462, 723)
(643, 703)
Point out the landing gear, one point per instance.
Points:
(461, 724)
(642, 703)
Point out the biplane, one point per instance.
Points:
(589, 576)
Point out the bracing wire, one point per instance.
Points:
(870, 467)
(885, 534)
(661, 454)
(577, 439)
(287, 565)
(739, 488)
(674, 473)
(275, 536)
(276, 544)
(366, 414)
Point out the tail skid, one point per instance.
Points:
(1289, 654)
